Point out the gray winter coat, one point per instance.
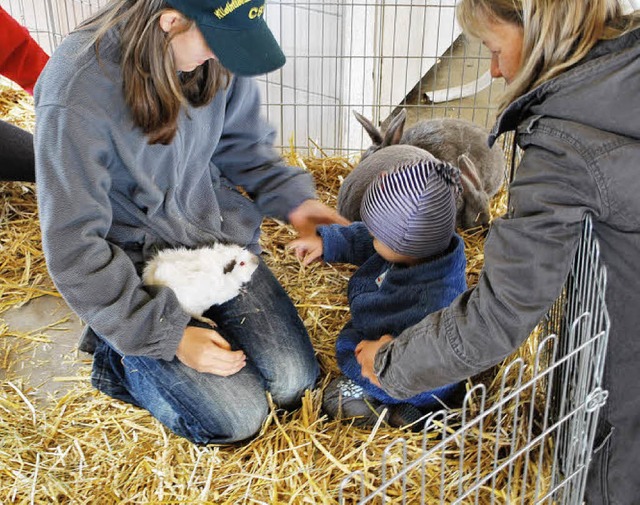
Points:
(581, 138)
(108, 199)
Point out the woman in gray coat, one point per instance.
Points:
(573, 94)
(147, 123)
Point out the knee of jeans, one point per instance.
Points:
(233, 423)
(292, 380)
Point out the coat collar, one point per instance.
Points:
(520, 108)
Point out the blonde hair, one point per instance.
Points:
(153, 89)
(557, 34)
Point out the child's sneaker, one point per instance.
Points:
(406, 415)
(344, 399)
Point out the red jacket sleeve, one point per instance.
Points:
(21, 58)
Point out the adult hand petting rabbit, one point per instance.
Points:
(311, 213)
(206, 351)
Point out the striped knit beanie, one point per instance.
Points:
(412, 209)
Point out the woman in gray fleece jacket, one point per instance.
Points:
(573, 98)
(146, 125)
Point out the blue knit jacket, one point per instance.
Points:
(387, 298)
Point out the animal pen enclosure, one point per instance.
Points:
(525, 431)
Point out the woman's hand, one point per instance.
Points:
(308, 249)
(311, 213)
(206, 351)
(366, 355)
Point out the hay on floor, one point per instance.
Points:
(85, 446)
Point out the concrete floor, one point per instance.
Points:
(44, 356)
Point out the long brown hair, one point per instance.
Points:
(153, 89)
(557, 33)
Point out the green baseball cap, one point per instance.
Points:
(236, 32)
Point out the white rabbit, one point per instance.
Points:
(455, 141)
(202, 277)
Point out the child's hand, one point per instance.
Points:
(308, 249)
(366, 354)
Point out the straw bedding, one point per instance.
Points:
(84, 447)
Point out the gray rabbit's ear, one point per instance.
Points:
(376, 136)
(469, 174)
(394, 133)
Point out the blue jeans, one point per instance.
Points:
(206, 408)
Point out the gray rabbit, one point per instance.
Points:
(454, 141)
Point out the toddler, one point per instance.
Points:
(411, 263)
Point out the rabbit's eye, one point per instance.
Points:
(242, 263)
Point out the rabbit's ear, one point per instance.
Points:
(376, 136)
(468, 174)
(394, 133)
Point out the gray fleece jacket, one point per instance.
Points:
(581, 138)
(108, 199)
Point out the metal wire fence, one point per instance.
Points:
(363, 55)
